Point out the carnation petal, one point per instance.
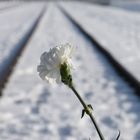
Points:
(50, 62)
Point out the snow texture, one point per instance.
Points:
(21, 20)
(31, 109)
(115, 29)
(7, 5)
(133, 5)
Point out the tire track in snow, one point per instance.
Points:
(6, 71)
(127, 76)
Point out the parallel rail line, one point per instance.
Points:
(7, 70)
(127, 76)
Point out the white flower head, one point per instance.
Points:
(49, 68)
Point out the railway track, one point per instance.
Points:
(40, 106)
(7, 70)
(120, 69)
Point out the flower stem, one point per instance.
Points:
(86, 108)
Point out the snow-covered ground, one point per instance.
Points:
(31, 109)
(14, 25)
(5, 4)
(115, 29)
(132, 5)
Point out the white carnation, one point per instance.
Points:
(49, 68)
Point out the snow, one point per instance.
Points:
(4, 5)
(132, 5)
(115, 29)
(21, 20)
(31, 109)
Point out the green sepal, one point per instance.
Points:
(90, 106)
(66, 77)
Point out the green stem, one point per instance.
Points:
(89, 112)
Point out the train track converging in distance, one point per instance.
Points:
(7, 70)
(124, 73)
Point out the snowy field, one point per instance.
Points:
(21, 19)
(116, 30)
(4, 5)
(132, 5)
(31, 109)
